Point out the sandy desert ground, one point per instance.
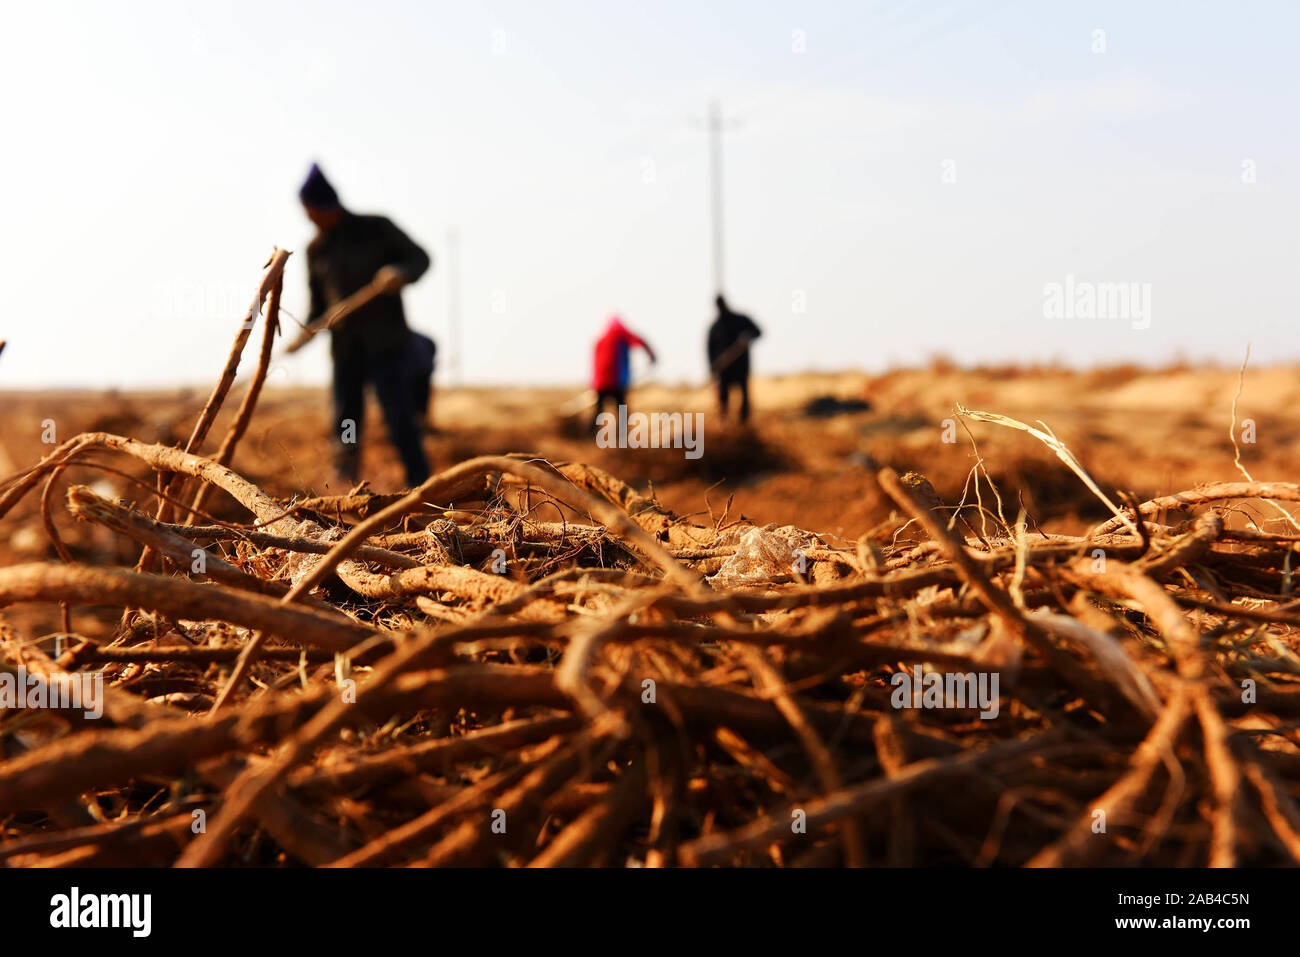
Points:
(1146, 431)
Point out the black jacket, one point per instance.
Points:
(343, 260)
(725, 333)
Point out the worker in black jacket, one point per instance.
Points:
(371, 344)
(729, 339)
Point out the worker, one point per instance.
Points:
(371, 344)
(728, 346)
(613, 366)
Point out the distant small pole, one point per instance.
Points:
(453, 306)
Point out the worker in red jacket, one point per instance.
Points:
(613, 366)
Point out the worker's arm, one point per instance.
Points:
(406, 260)
(748, 333)
(635, 340)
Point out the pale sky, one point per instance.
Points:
(913, 173)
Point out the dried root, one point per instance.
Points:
(368, 680)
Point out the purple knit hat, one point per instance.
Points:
(317, 192)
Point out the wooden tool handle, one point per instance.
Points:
(332, 317)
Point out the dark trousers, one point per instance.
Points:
(421, 395)
(616, 397)
(725, 384)
(390, 374)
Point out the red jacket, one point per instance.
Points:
(612, 367)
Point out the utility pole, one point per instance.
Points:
(716, 126)
(715, 165)
(453, 306)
